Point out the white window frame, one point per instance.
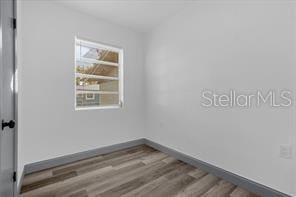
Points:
(101, 45)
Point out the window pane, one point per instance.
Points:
(109, 85)
(84, 100)
(96, 54)
(93, 100)
(108, 99)
(96, 69)
(87, 84)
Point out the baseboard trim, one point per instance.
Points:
(247, 184)
(250, 185)
(50, 163)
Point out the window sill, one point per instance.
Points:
(98, 107)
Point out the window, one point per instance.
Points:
(98, 75)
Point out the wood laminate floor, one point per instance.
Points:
(139, 171)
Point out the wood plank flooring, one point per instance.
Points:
(139, 171)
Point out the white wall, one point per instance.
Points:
(48, 124)
(210, 45)
(223, 46)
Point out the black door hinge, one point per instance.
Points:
(14, 177)
(14, 23)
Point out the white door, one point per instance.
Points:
(7, 99)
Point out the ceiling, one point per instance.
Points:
(140, 15)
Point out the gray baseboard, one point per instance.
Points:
(228, 176)
(231, 177)
(50, 163)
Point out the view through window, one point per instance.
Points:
(98, 75)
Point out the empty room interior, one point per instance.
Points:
(148, 98)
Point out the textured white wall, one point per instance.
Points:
(223, 46)
(49, 125)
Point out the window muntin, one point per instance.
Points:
(98, 72)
